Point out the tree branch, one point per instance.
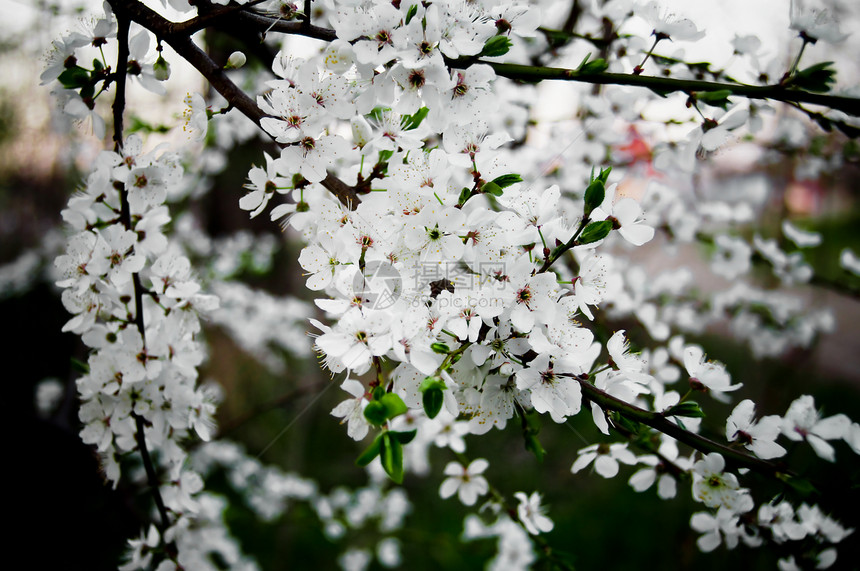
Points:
(662, 85)
(209, 14)
(267, 23)
(659, 422)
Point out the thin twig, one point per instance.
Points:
(123, 24)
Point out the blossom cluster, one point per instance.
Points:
(137, 306)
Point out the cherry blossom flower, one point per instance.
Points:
(710, 374)
(725, 526)
(781, 521)
(312, 156)
(758, 437)
(667, 24)
(606, 458)
(531, 513)
(465, 481)
(655, 471)
(815, 24)
(590, 286)
(357, 339)
(352, 410)
(550, 392)
(803, 422)
(716, 488)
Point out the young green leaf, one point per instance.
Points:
(594, 195)
(689, 408)
(595, 231)
(819, 77)
(404, 437)
(719, 98)
(74, 77)
(596, 66)
(507, 180)
(410, 13)
(432, 399)
(378, 112)
(492, 188)
(440, 348)
(496, 46)
(410, 122)
(432, 382)
(464, 196)
(394, 405)
(370, 452)
(376, 413)
(391, 456)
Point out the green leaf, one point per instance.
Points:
(376, 413)
(819, 77)
(74, 77)
(492, 188)
(625, 423)
(507, 180)
(410, 13)
(88, 91)
(800, 485)
(432, 382)
(378, 112)
(97, 65)
(432, 399)
(370, 452)
(556, 38)
(496, 46)
(594, 195)
(377, 392)
(409, 122)
(440, 348)
(595, 231)
(595, 66)
(604, 175)
(719, 98)
(404, 437)
(394, 405)
(80, 366)
(464, 196)
(391, 456)
(689, 408)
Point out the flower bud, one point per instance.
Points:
(161, 69)
(235, 61)
(361, 131)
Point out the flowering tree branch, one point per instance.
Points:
(180, 40)
(123, 24)
(660, 422)
(663, 85)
